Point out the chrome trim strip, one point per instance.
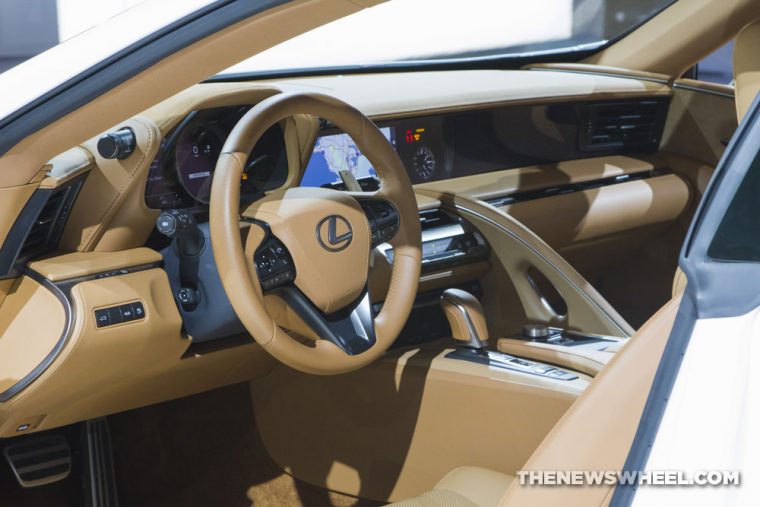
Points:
(690, 88)
(433, 234)
(605, 74)
(580, 290)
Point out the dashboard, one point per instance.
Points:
(432, 147)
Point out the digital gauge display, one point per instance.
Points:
(198, 149)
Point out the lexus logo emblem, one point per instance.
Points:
(334, 233)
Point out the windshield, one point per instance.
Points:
(408, 32)
(81, 34)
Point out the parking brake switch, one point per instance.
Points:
(188, 241)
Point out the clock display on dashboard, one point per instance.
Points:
(423, 161)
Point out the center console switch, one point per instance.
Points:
(507, 362)
(558, 336)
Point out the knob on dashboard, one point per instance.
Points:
(536, 332)
(118, 145)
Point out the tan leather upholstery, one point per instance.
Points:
(331, 279)
(79, 264)
(682, 34)
(679, 282)
(466, 487)
(109, 186)
(465, 316)
(597, 431)
(747, 67)
(240, 282)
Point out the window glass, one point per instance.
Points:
(718, 67)
(738, 236)
(409, 31)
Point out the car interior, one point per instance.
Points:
(195, 310)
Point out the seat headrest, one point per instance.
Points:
(746, 67)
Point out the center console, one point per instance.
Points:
(584, 352)
(447, 241)
(454, 254)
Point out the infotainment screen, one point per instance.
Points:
(338, 152)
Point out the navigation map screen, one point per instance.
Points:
(338, 152)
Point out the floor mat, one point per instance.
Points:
(205, 450)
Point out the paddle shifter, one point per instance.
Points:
(465, 315)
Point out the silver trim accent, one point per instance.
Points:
(536, 331)
(29, 456)
(690, 88)
(436, 233)
(605, 74)
(527, 245)
(475, 341)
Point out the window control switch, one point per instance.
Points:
(119, 314)
(102, 318)
(115, 315)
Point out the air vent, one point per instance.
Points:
(38, 228)
(631, 125)
(432, 218)
(44, 228)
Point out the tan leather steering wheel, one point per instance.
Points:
(311, 246)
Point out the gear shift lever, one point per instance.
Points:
(465, 315)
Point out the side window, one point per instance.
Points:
(738, 236)
(718, 67)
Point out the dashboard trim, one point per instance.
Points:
(571, 188)
(698, 89)
(580, 290)
(62, 291)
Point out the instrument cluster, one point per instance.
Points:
(183, 170)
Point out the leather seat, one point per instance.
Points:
(464, 487)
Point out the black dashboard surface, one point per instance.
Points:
(433, 147)
(451, 145)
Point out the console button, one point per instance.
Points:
(102, 318)
(138, 310)
(127, 314)
(115, 315)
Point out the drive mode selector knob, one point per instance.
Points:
(119, 144)
(536, 332)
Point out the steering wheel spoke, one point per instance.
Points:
(274, 263)
(351, 329)
(383, 219)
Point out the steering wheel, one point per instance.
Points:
(311, 246)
